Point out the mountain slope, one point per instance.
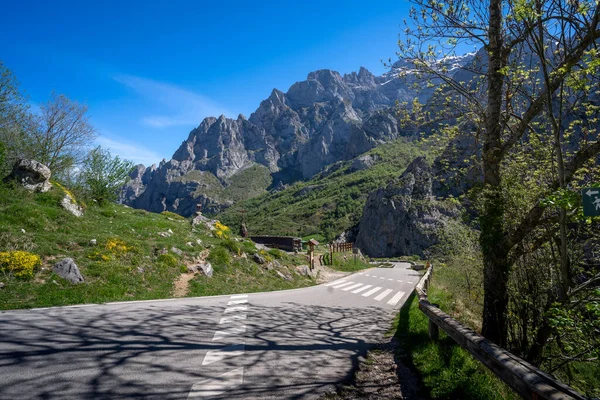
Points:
(325, 119)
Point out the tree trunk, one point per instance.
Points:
(493, 239)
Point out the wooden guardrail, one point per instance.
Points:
(525, 379)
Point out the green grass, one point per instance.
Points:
(445, 370)
(333, 207)
(35, 223)
(344, 261)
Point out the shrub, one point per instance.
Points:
(168, 260)
(233, 246)
(103, 175)
(222, 231)
(219, 256)
(20, 263)
(276, 253)
(117, 246)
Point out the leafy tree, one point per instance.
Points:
(505, 100)
(62, 134)
(14, 117)
(102, 175)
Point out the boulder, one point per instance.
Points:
(206, 269)
(176, 251)
(32, 175)
(69, 204)
(283, 276)
(258, 258)
(304, 270)
(68, 270)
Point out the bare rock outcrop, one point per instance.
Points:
(403, 218)
(31, 174)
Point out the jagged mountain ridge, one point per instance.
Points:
(325, 119)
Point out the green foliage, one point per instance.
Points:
(444, 369)
(276, 253)
(103, 175)
(219, 257)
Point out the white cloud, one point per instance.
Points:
(129, 150)
(176, 106)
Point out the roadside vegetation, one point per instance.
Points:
(122, 253)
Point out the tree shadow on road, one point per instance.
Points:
(156, 351)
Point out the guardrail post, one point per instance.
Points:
(434, 330)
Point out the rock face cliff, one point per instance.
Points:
(403, 218)
(325, 119)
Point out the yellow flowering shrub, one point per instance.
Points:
(20, 263)
(117, 246)
(222, 231)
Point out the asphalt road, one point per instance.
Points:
(283, 345)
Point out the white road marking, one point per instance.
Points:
(383, 294)
(235, 308)
(232, 318)
(367, 275)
(226, 352)
(239, 296)
(352, 287)
(218, 385)
(342, 284)
(335, 282)
(370, 292)
(234, 302)
(409, 282)
(236, 330)
(394, 300)
(390, 279)
(381, 277)
(399, 281)
(361, 289)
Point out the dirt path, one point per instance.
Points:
(182, 284)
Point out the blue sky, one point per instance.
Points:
(151, 70)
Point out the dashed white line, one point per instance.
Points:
(239, 296)
(232, 318)
(361, 289)
(235, 308)
(399, 281)
(394, 300)
(370, 292)
(236, 330)
(390, 279)
(381, 277)
(218, 385)
(352, 287)
(335, 282)
(342, 285)
(409, 282)
(383, 294)
(226, 352)
(234, 302)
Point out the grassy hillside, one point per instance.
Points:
(329, 203)
(129, 261)
(250, 182)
